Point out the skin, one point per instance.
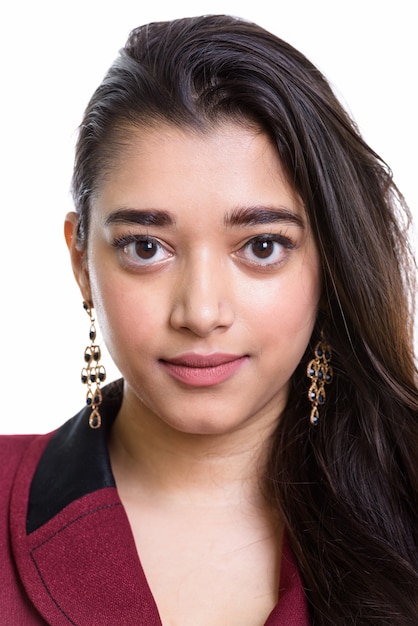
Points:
(201, 284)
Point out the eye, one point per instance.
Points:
(141, 251)
(266, 250)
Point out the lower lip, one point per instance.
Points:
(203, 376)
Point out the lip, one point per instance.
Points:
(203, 370)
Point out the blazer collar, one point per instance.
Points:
(75, 462)
(71, 538)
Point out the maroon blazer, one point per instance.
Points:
(67, 553)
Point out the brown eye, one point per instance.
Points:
(262, 248)
(146, 249)
(139, 251)
(266, 251)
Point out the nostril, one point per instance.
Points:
(201, 319)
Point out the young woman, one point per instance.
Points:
(245, 254)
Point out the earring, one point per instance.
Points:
(320, 372)
(93, 373)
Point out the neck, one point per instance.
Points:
(149, 458)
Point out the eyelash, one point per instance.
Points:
(121, 243)
(285, 242)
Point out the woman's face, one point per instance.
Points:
(204, 274)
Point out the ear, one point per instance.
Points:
(78, 256)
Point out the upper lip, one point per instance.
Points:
(203, 360)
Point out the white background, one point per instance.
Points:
(53, 55)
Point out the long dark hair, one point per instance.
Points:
(347, 488)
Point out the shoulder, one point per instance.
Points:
(12, 450)
(12, 447)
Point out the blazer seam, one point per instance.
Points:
(61, 610)
(73, 521)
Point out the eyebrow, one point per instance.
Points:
(242, 216)
(147, 217)
(252, 216)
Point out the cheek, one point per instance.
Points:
(127, 312)
(287, 304)
(302, 306)
(284, 324)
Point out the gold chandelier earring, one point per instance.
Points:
(320, 372)
(93, 373)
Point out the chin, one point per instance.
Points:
(205, 427)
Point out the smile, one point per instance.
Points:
(198, 370)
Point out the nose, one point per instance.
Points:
(202, 297)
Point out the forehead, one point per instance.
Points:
(223, 165)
